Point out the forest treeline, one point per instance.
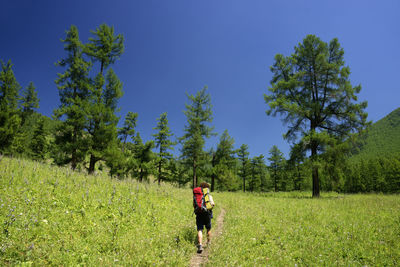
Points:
(326, 126)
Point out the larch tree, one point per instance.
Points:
(120, 158)
(74, 90)
(102, 125)
(199, 115)
(29, 101)
(256, 173)
(38, 145)
(128, 129)
(312, 90)
(224, 162)
(163, 142)
(105, 47)
(9, 119)
(243, 156)
(276, 166)
(143, 158)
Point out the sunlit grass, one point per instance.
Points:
(54, 216)
(285, 230)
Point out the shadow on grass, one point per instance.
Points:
(187, 235)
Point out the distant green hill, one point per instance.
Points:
(383, 138)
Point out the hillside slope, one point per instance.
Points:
(54, 216)
(383, 137)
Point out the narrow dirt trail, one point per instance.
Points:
(201, 259)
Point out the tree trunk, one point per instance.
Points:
(140, 174)
(244, 178)
(213, 173)
(315, 182)
(92, 163)
(159, 172)
(73, 160)
(93, 159)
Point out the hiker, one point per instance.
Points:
(203, 205)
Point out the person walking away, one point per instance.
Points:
(203, 204)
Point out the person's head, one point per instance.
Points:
(204, 185)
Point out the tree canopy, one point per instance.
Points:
(199, 114)
(74, 90)
(9, 120)
(312, 91)
(163, 142)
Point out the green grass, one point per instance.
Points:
(53, 216)
(288, 230)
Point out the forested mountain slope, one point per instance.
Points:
(383, 137)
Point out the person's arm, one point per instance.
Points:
(211, 200)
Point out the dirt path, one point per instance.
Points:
(201, 259)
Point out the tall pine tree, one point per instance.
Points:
(225, 163)
(164, 144)
(143, 158)
(256, 173)
(311, 88)
(199, 115)
(276, 166)
(29, 101)
(243, 156)
(102, 126)
(9, 118)
(105, 48)
(74, 90)
(38, 145)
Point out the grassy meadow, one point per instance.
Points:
(53, 216)
(292, 229)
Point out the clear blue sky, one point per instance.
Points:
(173, 47)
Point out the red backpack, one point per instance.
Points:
(200, 200)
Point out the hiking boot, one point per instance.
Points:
(199, 248)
